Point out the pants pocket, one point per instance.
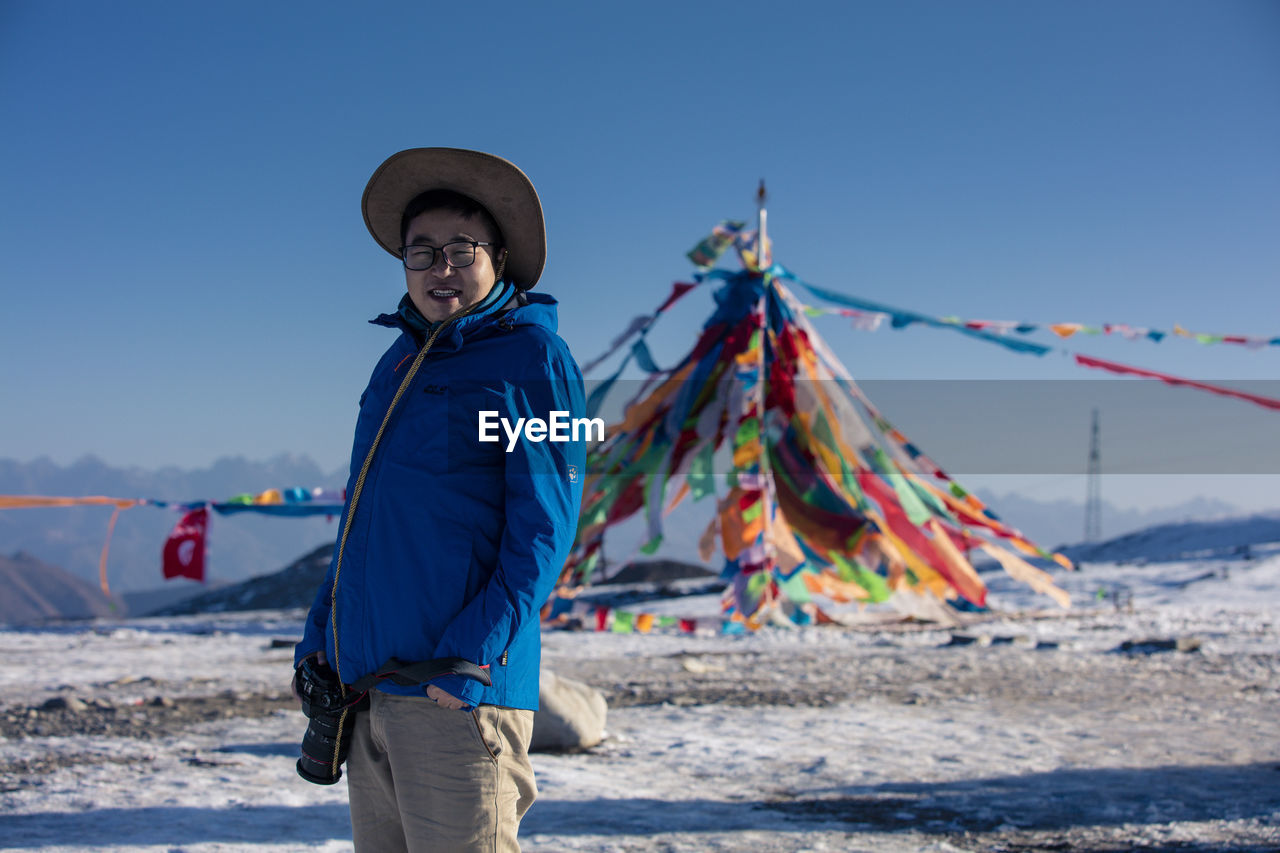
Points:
(485, 723)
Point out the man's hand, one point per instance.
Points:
(293, 682)
(444, 699)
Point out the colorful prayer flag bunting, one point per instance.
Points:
(820, 495)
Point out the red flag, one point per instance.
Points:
(1089, 361)
(678, 289)
(184, 549)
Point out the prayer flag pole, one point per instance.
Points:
(763, 255)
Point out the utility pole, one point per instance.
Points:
(1093, 497)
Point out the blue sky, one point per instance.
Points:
(186, 274)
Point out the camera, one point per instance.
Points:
(331, 708)
(331, 713)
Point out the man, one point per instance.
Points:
(451, 540)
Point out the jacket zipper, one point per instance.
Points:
(359, 487)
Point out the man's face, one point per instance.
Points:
(444, 290)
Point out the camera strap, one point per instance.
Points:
(409, 674)
(354, 500)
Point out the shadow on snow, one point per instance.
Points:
(176, 825)
(1054, 800)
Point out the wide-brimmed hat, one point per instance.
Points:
(497, 184)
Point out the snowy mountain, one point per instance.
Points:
(1187, 540)
(1057, 523)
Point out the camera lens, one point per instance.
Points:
(320, 745)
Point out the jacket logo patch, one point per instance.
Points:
(573, 473)
(434, 389)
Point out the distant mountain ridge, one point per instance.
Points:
(293, 586)
(1060, 523)
(239, 546)
(36, 592)
(1185, 540)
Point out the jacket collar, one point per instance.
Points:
(523, 308)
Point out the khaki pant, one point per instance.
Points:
(423, 778)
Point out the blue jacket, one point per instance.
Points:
(456, 543)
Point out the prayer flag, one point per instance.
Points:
(708, 251)
(184, 550)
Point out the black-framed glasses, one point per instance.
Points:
(460, 253)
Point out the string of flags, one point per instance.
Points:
(731, 233)
(866, 312)
(563, 612)
(870, 321)
(183, 554)
(866, 315)
(582, 615)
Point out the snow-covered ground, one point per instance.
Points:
(1018, 732)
